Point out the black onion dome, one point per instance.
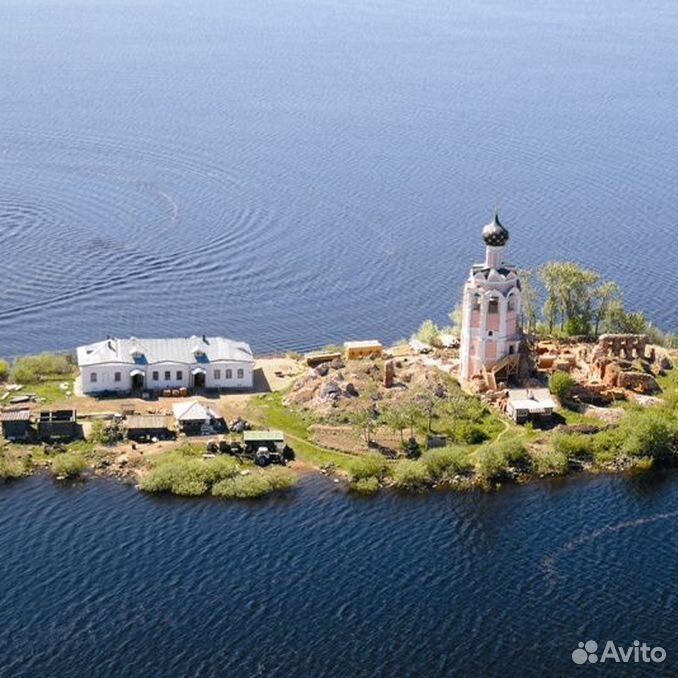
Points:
(494, 233)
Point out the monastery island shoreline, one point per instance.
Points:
(502, 396)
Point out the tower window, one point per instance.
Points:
(477, 299)
(493, 306)
(511, 303)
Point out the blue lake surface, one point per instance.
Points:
(298, 172)
(295, 173)
(101, 580)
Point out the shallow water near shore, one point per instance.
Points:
(295, 173)
(99, 579)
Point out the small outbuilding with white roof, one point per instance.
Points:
(526, 404)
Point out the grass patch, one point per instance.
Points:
(255, 485)
(69, 465)
(36, 368)
(182, 473)
(369, 485)
(446, 462)
(364, 471)
(411, 476)
(551, 463)
(270, 411)
(11, 467)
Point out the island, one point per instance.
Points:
(508, 392)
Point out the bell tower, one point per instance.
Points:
(491, 307)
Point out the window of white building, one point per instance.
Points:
(217, 374)
(229, 374)
(241, 373)
(93, 377)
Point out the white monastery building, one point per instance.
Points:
(491, 310)
(125, 365)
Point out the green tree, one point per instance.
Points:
(428, 332)
(365, 420)
(650, 433)
(412, 413)
(428, 402)
(561, 384)
(456, 318)
(395, 418)
(617, 320)
(570, 293)
(606, 295)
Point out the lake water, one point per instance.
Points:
(99, 579)
(298, 172)
(294, 173)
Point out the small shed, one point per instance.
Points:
(58, 424)
(362, 349)
(16, 424)
(195, 418)
(530, 404)
(142, 427)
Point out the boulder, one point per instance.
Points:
(351, 390)
(330, 390)
(440, 391)
(640, 382)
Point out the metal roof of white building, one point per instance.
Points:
(369, 343)
(531, 398)
(192, 410)
(186, 350)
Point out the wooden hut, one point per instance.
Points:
(16, 424)
(143, 427)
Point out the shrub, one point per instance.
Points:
(242, 487)
(642, 463)
(650, 433)
(572, 445)
(183, 474)
(371, 465)
(69, 465)
(513, 451)
(607, 444)
(365, 485)
(491, 462)
(445, 463)
(99, 432)
(188, 477)
(280, 479)
(551, 462)
(469, 433)
(428, 332)
(12, 468)
(220, 468)
(4, 369)
(561, 384)
(411, 476)
(32, 368)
